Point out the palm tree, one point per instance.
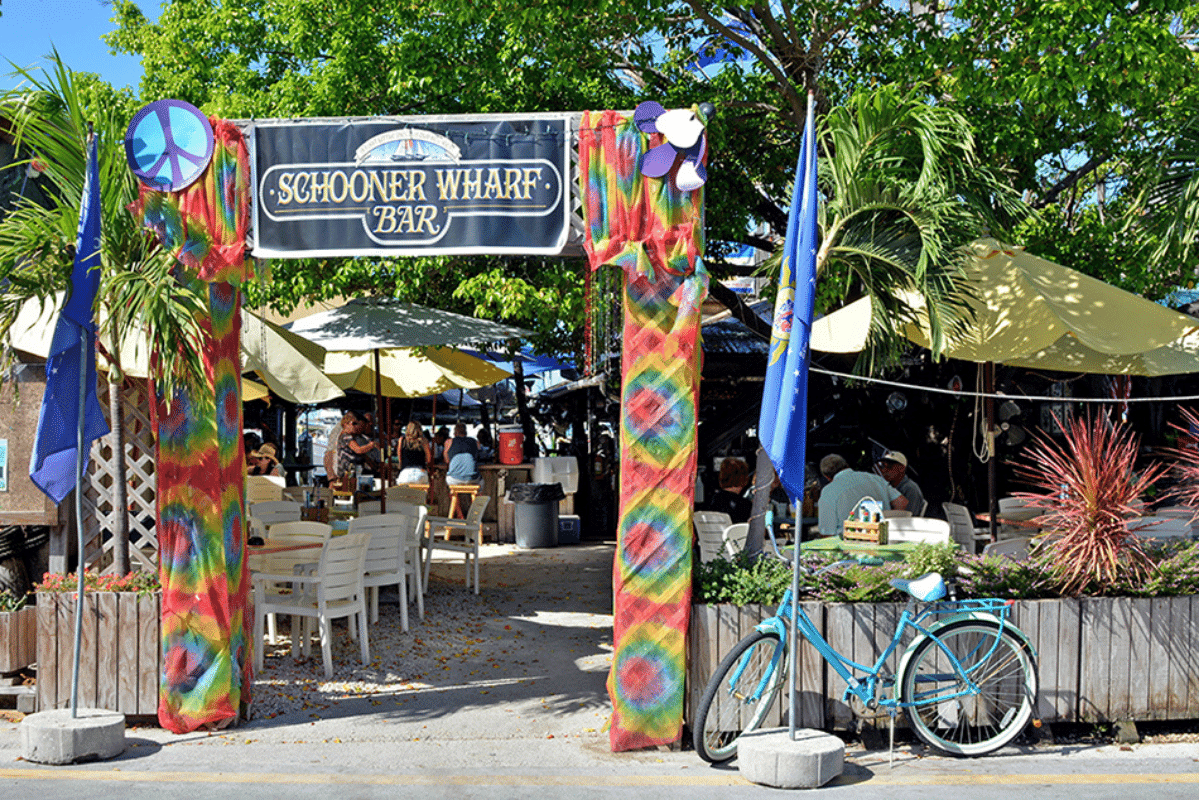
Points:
(903, 195)
(49, 117)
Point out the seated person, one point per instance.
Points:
(894, 469)
(845, 489)
(462, 456)
(487, 451)
(264, 462)
(733, 480)
(415, 456)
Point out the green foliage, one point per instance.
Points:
(743, 580)
(1175, 571)
(926, 557)
(11, 602)
(1006, 578)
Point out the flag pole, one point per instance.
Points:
(793, 645)
(84, 351)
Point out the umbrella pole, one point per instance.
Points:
(385, 461)
(989, 410)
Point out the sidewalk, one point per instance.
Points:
(506, 690)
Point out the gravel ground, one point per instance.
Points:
(529, 600)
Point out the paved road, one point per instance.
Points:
(226, 765)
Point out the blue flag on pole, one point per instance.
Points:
(783, 422)
(53, 460)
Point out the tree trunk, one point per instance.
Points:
(764, 476)
(531, 449)
(120, 516)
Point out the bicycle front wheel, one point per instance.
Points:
(738, 695)
(949, 715)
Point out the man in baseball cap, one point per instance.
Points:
(893, 466)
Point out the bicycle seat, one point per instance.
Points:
(928, 587)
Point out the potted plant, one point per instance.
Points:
(120, 658)
(18, 632)
(1088, 488)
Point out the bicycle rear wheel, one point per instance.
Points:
(950, 717)
(738, 695)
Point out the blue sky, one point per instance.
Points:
(29, 28)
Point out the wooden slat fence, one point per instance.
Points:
(1099, 659)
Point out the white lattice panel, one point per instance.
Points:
(98, 505)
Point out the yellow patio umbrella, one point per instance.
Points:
(1025, 307)
(411, 371)
(1029, 312)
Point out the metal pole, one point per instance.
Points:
(792, 633)
(83, 360)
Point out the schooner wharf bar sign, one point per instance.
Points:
(410, 186)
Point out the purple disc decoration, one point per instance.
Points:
(168, 145)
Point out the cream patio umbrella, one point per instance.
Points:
(288, 364)
(1030, 312)
(366, 339)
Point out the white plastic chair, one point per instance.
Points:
(284, 533)
(918, 529)
(393, 556)
(471, 529)
(263, 488)
(335, 590)
(963, 529)
(1017, 548)
(1159, 527)
(265, 514)
(733, 538)
(710, 533)
(369, 508)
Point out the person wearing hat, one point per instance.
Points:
(893, 466)
(845, 488)
(263, 461)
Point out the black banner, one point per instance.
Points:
(390, 186)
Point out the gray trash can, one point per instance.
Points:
(536, 518)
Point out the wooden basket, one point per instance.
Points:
(871, 532)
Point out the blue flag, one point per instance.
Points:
(52, 462)
(783, 422)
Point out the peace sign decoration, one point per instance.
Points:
(168, 145)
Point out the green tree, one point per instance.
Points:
(49, 117)
(1061, 97)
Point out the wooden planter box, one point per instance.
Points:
(18, 639)
(120, 651)
(1100, 659)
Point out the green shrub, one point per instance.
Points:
(11, 602)
(748, 580)
(925, 558)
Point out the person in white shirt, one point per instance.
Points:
(845, 489)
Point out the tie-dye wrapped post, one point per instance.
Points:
(200, 464)
(653, 232)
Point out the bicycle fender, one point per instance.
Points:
(773, 625)
(973, 616)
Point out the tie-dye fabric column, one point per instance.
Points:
(200, 462)
(653, 232)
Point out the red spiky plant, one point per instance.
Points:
(1184, 462)
(1089, 489)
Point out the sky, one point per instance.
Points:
(30, 28)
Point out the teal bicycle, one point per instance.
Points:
(968, 679)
